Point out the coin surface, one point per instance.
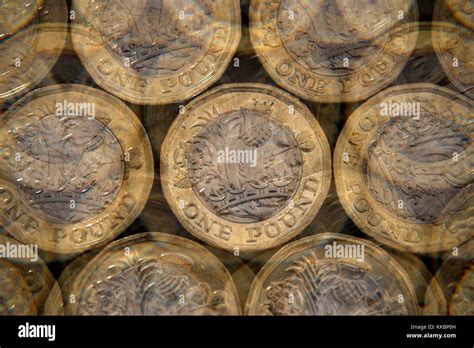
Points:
(156, 52)
(431, 300)
(456, 277)
(405, 176)
(332, 51)
(462, 11)
(25, 281)
(32, 35)
(245, 166)
(454, 45)
(75, 168)
(154, 274)
(332, 274)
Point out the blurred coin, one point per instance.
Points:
(454, 46)
(76, 168)
(462, 11)
(332, 51)
(25, 281)
(246, 166)
(159, 51)
(403, 168)
(332, 274)
(429, 294)
(154, 274)
(456, 277)
(32, 36)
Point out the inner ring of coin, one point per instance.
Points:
(402, 163)
(245, 166)
(158, 37)
(321, 44)
(64, 160)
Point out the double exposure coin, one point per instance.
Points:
(333, 51)
(456, 277)
(75, 168)
(157, 51)
(32, 36)
(245, 166)
(454, 45)
(332, 274)
(25, 281)
(154, 274)
(431, 300)
(403, 168)
(461, 10)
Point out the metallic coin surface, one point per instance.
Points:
(25, 281)
(405, 176)
(454, 45)
(156, 52)
(245, 166)
(332, 51)
(332, 274)
(32, 35)
(462, 11)
(431, 300)
(76, 168)
(456, 277)
(154, 274)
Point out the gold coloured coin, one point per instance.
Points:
(456, 277)
(154, 274)
(32, 36)
(76, 168)
(332, 274)
(156, 52)
(25, 281)
(246, 166)
(332, 51)
(403, 168)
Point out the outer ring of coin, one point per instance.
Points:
(450, 48)
(36, 274)
(451, 273)
(362, 208)
(303, 82)
(315, 176)
(113, 75)
(320, 240)
(153, 237)
(50, 38)
(27, 226)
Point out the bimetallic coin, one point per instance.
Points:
(332, 274)
(159, 51)
(403, 168)
(333, 51)
(245, 166)
(25, 281)
(76, 168)
(32, 35)
(154, 274)
(456, 277)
